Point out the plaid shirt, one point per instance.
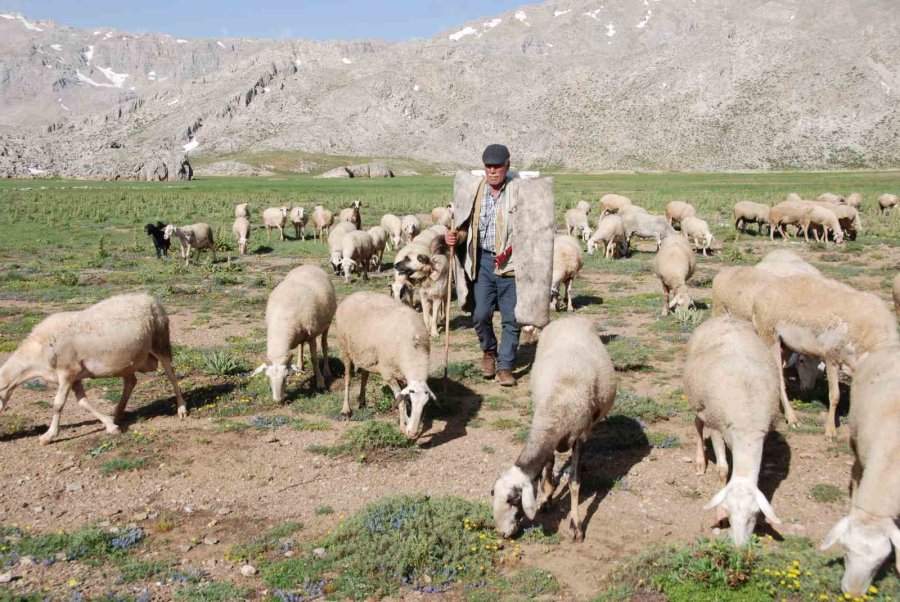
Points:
(487, 221)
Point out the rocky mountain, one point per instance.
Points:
(569, 84)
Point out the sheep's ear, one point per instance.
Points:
(430, 393)
(766, 507)
(717, 499)
(529, 505)
(836, 533)
(259, 370)
(403, 394)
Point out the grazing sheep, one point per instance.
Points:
(830, 197)
(117, 337)
(194, 237)
(731, 382)
(678, 210)
(393, 227)
(869, 530)
(351, 214)
(613, 203)
(674, 263)
(410, 227)
(567, 263)
(275, 217)
(583, 206)
(577, 224)
(823, 218)
(848, 218)
(573, 386)
(299, 309)
(644, 225)
(442, 216)
(298, 218)
(242, 210)
(697, 231)
(241, 231)
(854, 200)
(748, 212)
(377, 334)
(379, 240)
(895, 290)
(610, 235)
(784, 214)
(887, 202)
(322, 220)
(356, 253)
(821, 317)
(160, 242)
(336, 242)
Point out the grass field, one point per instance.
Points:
(67, 244)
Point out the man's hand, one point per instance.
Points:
(451, 238)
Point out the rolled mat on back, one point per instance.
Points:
(534, 226)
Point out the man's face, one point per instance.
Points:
(496, 174)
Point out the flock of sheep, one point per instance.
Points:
(764, 319)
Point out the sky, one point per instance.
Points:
(393, 20)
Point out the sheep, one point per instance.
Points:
(577, 224)
(241, 231)
(697, 231)
(748, 212)
(117, 337)
(160, 242)
(299, 309)
(678, 210)
(731, 381)
(391, 224)
(194, 237)
(610, 234)
(887, 202)
(299, 218)
(847, 216)
(379, 240)
(351, 214)
(674, 264)
(824, 218)
(793, 196)
(377, 334)
(442, 215)
(567, 263)
(410, 227)
(322, 221)
(644, 225)
(895, 291)
(242, 210)
(628, 209)
(357, 248)
(786, 213)
(275, 217)
(818, 316)
(336, 242)
(869, 530)
(583, 206)
(830, 197)
(613, 203)
(854, 200)
(573, 385)
(786, 263)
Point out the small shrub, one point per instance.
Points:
(214, 591)
(689, 318)
(219, 363)
(323, 510)
(122, 464)
(826, 494)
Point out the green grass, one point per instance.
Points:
(213, 591)
(632, 405)
(368, 441)
(122, 465)
(263, 546)
(827, 494)
(89, 544)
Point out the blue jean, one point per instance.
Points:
(493, 292)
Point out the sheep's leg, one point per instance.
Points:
(81, 396)
(548, 484)
(718, 444)
(325, 369)
(575, 493)
(314, 358)
(268, 234)
(128, 383)
(700, 459)
(170, 373)
(789, 414)
(571, 305)
(348, 371)
(832, 371)
(363, 379)
(806, 233)
(281, 232)
(665, 311)
(58, 402)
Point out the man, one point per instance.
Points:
(487, 232)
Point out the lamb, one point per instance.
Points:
(573, 385)
(818, 316)
(275, 217)
(786, 213)
(678, 210)
(242, 210)
(748, 212)
(895, 291)
(697, 231)
(117, 337)
(393, 227)
(299, 218)
(351, 214)
(644, 225)
(356, 253)
(299, 309)
(613, 203)
(869, 530)
(160, 242)
(194, 237)
(567, 263)
(336, 242)
(442, 215)
(610, 234)
(830, 197)
(377, 334)
(410, 227)
(577, 224)
(887, 202)
(854, 200)
(731, 381)
(674, 265)
(322, 220)
(241, 231)
(824, 218)
(379, 240)
(583, 206)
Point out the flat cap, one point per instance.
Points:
(495, 154)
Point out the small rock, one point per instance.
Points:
(223, 511)
(68, 465)
(209, 540)
(140, 516)
(74, 486)
(248, 570)
(188, 509)
(687, 459)
(212, 523)
(185, 548)
(320, 553)
(289, 554)
(111, 512)
(5, 577)
(271, 438)
(153, 515)
(26, 561)
(717, 531)
(104, 523)
(59, 556)
(39, 508)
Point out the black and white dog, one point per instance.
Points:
(162, 244)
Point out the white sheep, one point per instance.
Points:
(193, 237)
(410, 226)
(786, 263)
(613, 203)
(377, 334)
(299, 219)
(787, 213)
(442, 216)
(357, 248)
(573, 386)
(697, 231)
(322, 220)
(678, 210)
(379, 240)
(336, 243)
(854, 200)
(731, 381)
(887, 202)
(674, 264)
(299, 309)
(241, 231)
(583, 206)
(793, 197)
(242, 210)
(567, 264)
(117, 337)
(393, 227)
(275, 217)
(577, 224)
(644, 225)
(869, 531)
(351, 214)
(610, 235)
(748, 212)
(824, 218)
(830, 197)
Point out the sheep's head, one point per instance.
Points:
(591, 246)
(283, 211)
(349, 266)
(356, 204)
(742, 500)
(150, 229)
(277, 375)
(336, 261)
(681, 298)
(585, 232)
(513, 495)
(867, 542)
(808, 371)
(411, 403)
(168, 231)
(838, 235)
